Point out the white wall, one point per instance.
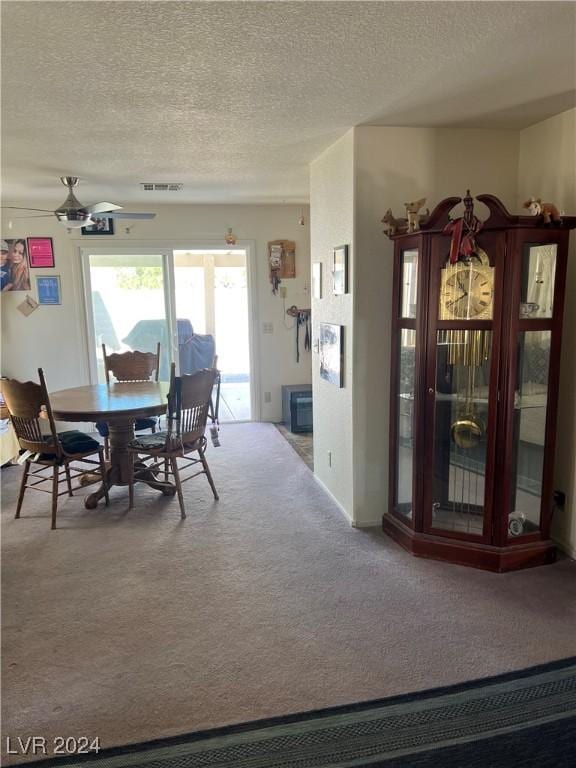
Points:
(352, 184)
(54, 337)
(332, 224)
(547, 169)
(393, 166)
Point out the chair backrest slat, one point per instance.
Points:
(189, 402)
(132, 366)
(28, 403)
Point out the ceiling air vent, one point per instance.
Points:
(162, 187)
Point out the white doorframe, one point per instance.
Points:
(166, 249)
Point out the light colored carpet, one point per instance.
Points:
(134, 625)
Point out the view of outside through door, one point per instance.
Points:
(212, 293)
(211, 312)
(129, 307)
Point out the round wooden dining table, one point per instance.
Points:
(119, 404)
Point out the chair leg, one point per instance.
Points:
(166, 469)
(176, 473)
(68, 479)
(22, 489)
(55, 494)
(208, 474)
(131, 483)
(107, 448)
(103, 472)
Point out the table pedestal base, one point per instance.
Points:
(118, 472)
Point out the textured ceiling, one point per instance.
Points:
(234, 99)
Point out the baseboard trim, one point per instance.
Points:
(334, 499)
(567, 548)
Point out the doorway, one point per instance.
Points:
(194, 301)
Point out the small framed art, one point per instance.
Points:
(317, 280)
(340, 270)
(101, 226)
(48, 289)
(40, 252)
(332, 353)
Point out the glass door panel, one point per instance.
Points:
(405, 423)
(537, 281)
(460, 440)
(530, 409)
(232, 334)
(211, 291)
(409, 286)
(129, 307)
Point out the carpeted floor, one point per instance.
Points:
(134, 625)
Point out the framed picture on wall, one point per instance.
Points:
(101, 226)
(340, 270)
(317, 280)
(332, 353)
(48, 289)
(40, 252)
(14, 268)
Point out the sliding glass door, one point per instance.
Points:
(195, 302)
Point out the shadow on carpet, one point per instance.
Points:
(524, 718)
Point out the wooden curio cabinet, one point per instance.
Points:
(477, 324)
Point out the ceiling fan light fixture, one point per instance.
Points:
(74, 223)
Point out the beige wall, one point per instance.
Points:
(55, 337)
(332, 224)
(547, 169)
(393, 166)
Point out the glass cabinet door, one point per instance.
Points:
(529, 431)
(460, 439)
(404, 385)
(405, 423)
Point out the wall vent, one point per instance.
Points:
(162, 187)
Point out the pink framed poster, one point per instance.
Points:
(40, 252)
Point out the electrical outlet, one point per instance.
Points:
(283, 291)
(267, 327)
(329, 458)
(267, 397)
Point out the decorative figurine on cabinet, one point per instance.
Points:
(394, 226)
(477, 323)
(414, 219)
(548, 211)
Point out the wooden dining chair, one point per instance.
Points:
(130, 366)
(187, 415)
(28, 403)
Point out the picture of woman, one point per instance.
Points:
(18, 278)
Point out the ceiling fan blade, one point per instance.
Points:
(16, 208)
(101, 208)
(38, 216)
(129, 216)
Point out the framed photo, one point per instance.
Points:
(14, 269)
(40, 252)
(332, 353)
(340, 270)
(48, 289)
(101, 226)
(317, 280)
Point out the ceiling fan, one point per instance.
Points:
(75, 215)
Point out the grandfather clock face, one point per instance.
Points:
(466, 292)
